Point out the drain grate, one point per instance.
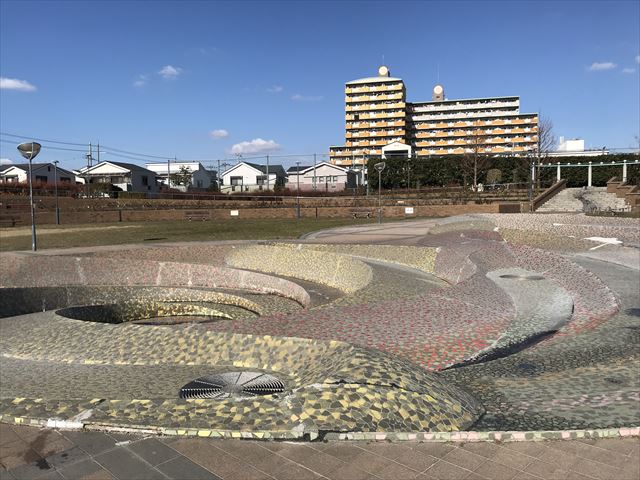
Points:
(232, 384)
(522, 277)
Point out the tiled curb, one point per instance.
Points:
(427, 437)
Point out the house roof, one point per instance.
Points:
(132, 167)
(298, 168)
(34, 166)
(277, 169)
(308, 169)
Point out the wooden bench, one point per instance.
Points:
(361, 213)
(202, 215)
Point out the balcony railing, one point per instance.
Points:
(464, 106)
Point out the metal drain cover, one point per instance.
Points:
(232, 384)
(522, 277)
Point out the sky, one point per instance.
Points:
(206, 80)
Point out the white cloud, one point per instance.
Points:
(5, 161)
(257, 145)
(306, 98)
(628, 70)
(220, 133)
(16, 84)
(275, 89)
(140, 81)
(169, 72)
(602, 66)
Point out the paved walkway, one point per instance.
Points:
(31, 453)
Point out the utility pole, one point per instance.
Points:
(267, 172)
(89, 165)
(55, 183)
(314, 172)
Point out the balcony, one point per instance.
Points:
(465, 106)
(389, 87)
(373, 98)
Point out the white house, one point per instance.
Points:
(324, 177)
(201, 178)
(127, 176)
(42, 172)
(251, 177)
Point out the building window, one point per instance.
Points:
(40, 178)
(236, 180)
(145, 180)
(261, 179)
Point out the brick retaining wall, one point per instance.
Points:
(106, 216)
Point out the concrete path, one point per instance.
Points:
(31, 453)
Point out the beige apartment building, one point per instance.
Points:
(380, 121)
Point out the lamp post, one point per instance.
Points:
(55, 183)
(298, 189)
(408, 175)
(380, 167)
(29, 151)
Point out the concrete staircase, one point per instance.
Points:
(584, 200)
(568, 200)
(597, 198)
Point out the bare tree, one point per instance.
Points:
(546, 144)
(475, 157)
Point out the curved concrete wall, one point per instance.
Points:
(337, 271)
(58, 271)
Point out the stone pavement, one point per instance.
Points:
(31, 453)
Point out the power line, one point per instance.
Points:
(48, 147)
(43, 140)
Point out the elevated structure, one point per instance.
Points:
(377, 114)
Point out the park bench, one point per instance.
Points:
(359, 213)
(202, 215)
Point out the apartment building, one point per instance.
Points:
(377, 115)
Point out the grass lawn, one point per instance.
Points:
(87, 235)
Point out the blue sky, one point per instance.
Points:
(160, 77)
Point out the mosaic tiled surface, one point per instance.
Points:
(338, 271)
(393, 305)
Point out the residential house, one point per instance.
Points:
(251, 177)
(42, 173)
(126, 176)
(201, 178)
(324, 177)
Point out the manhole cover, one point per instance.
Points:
(232, 384)
(522, 277)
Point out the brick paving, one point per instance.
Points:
(32, 453)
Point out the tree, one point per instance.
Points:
(475, 157)
(546, 144)
(182, 177)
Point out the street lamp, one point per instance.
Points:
(408, 175)
(298, 187)
(379, 167)
(29, 151)
(55, 183)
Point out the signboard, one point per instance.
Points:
(408, 210)
(235, 213)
